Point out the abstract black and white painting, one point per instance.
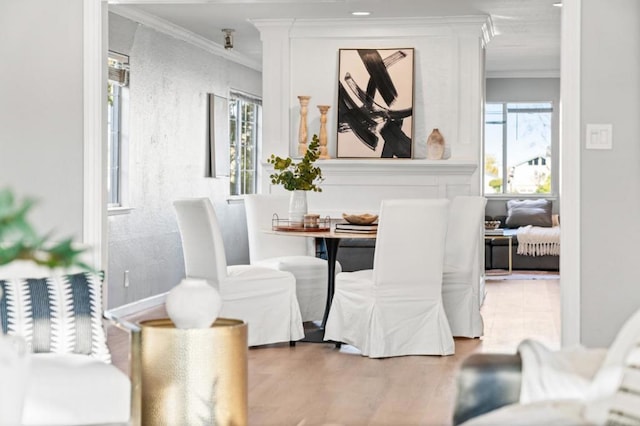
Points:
(375, 103)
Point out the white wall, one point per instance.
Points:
(301, 58)
(610, 180)
(41, 110)
(169, 82)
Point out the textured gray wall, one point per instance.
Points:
(610, 180)
(169, 83)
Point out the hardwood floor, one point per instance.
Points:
(317, 384)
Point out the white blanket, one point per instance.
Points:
(588, 375)
(565, 374)
(538, 241)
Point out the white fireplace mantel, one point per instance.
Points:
(355, 185)
(396, 167)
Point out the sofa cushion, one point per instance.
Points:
(72, 389)
(528, 212)
(59, 313)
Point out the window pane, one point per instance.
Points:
(113, 145)
(529, 148)
(244, 128)
(233, 154)
(493, 133)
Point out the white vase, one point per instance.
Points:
(297, 207)
(193, 303)
(15, 361)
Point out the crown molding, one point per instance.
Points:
(180, 33)
(468, 25)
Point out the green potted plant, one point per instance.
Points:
(298, 177)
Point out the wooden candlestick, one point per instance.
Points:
(302, 132)
(323, 131)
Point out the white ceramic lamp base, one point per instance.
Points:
(193, 303)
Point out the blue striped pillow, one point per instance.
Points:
(61, 314)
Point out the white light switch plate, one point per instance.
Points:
(599, 136)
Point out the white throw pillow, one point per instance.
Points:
(60, 314)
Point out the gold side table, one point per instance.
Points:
(190, 376)
(510, 240)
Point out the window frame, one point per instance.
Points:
(118, 78)
(238, 100)
(553, 150)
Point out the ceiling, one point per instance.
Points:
(526, 42)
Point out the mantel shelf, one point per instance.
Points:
(352, 166)
(360, 185)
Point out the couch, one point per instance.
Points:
(69, 377)
(527, 214)
(357, 254)
(539, 386)
(496, 252)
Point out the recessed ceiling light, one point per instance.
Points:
(361, 13)
(558, 4)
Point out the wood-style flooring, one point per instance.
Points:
(317, 384)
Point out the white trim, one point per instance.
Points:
(139, 306)
(116, 211)
(495, 197)
(219, 1)
(570, 152)
(551, 73)
(394, 167)
(94, 224)
(473, 25)
(180, 33)
(276, 91)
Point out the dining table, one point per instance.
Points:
(331, 239)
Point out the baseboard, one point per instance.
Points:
(138, 306)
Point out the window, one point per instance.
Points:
(245, 117)
(117, 104)
(517, 148)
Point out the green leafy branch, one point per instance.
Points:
(19, 241)
(298, 176)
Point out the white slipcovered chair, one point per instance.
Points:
(396, 308)
(292, 254)
(262, 297)
(461, 292)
